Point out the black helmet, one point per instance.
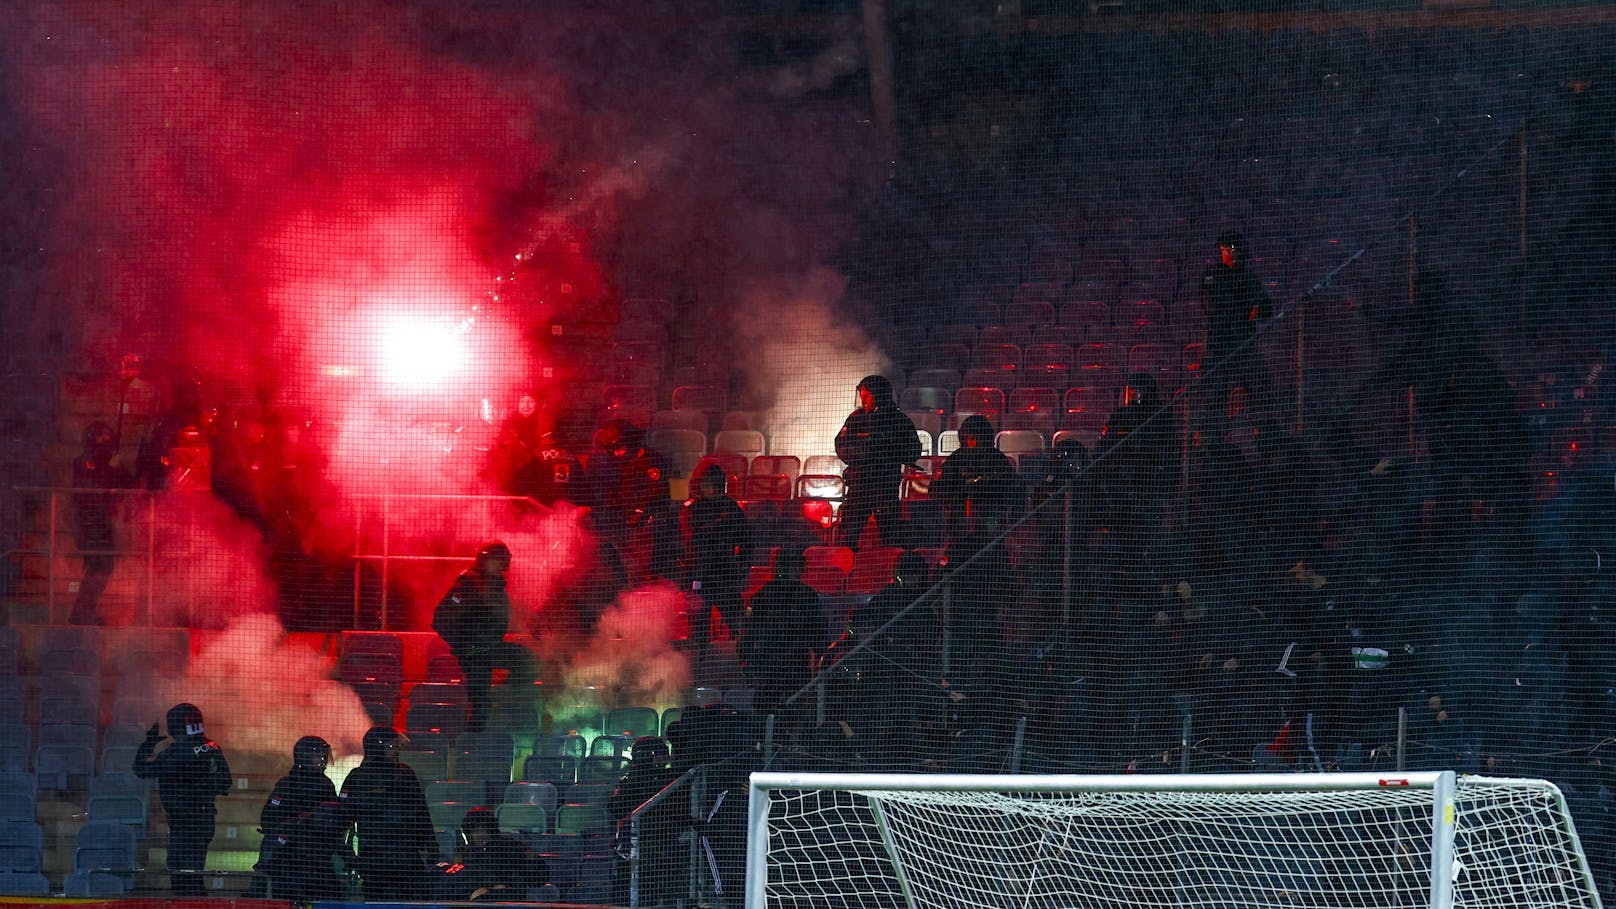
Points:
(98, 437)
(1071, 455)
(976, 428)
(879, 387)
(184, 720)
(380, 740)
(479, 820)
(311, 753)
(493, 549)
(650, 749)
(710, 471)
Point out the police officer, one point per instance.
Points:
(492, 865)
(717, 541)
(875, 442)
(191, 773)
(390, 816)
(472, 619)
(300, 828)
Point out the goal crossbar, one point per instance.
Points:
(893, 835)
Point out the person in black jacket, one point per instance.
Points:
(1236, 304)
(491, 865)
(388, 807)
(301, 828)
(649, 772)
(717, 541)
(191, 773)
(875, 442)
(472, 619)
(976, 487)
(785, 633)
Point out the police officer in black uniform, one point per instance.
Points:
(388, 807)
(472, 619)
(301, 828)
(191, 773)
(875, 442)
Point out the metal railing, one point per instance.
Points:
(146, 519)
(386, 556)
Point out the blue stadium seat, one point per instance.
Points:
(22, 846)
(530, 792)
(633, 721)
(484, 756)
(557, 769)
(24, 883)
(106, 846)
(120, 797)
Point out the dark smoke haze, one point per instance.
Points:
(316, 210)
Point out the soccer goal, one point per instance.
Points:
(1235, 841)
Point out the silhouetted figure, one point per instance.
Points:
(472, 618)
(190, 773)
(649, 772)
(391, 820)
(1140, 451)
(97, 467)
(717, 549)
(883, 689)
(628, 490)
(302, 823)
(1235, 303)
(976, 486)
(875, 442)
(785, 631)
(491, 865)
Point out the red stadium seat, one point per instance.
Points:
(985, 400)
(1088, 408)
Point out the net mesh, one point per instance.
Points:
(949, 848)
(306, 305)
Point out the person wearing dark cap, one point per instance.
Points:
(472, 618)
(976, 487)
(388, 808)
(875, 442)
(191, 773)
(1235, 303)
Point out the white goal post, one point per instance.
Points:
(1221, 841)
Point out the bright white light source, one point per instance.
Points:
(421, 354)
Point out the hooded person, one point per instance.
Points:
(302, 824)
(190, 773)
(388, 807)
(875, 442)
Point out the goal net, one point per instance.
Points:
(1237, 841)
